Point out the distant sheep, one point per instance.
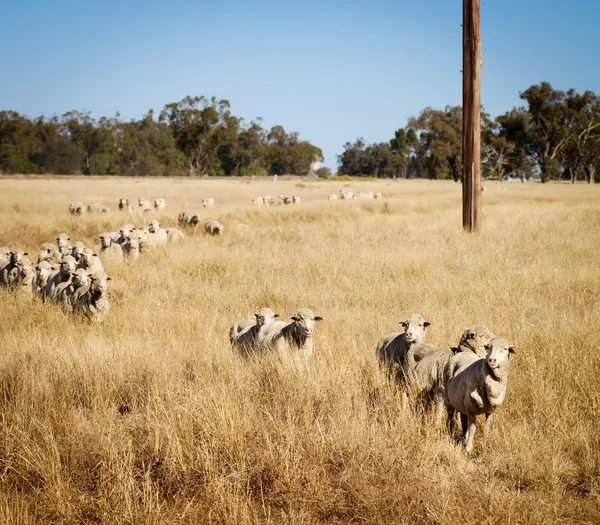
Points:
(208, 203)
(124, 206)
(131, 248)
(477, 386)
(157, 236)
(213, 228)
(91, 301)
(144, 205)
(77, 208)
(189, 218)
(109, 248)
(63, 243)
(258, 200)
(243, 335)
(294, 338)
(174, 234)
(160, 204)
(96, 207)
(333, 197)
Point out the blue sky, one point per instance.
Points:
(332, 71)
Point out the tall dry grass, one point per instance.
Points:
(151, 418)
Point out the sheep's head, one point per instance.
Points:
(142, 202)
(475, 338)
(62, 241)
(25, 267)
(77, 250)
(194, 219)
(153, 226)
(88, 257)
(80, 278)
(17, 255)
(99, 283)
(106, 239)
(304, 320)
(415, 328)
(44, 269)
(123, 203)
(68, 265)
(126, 230)
(133, 244)
(499, 351)
(264, 316)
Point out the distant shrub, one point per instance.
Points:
(323, 173)
(251, 171)
(344, 178)
(301, 185)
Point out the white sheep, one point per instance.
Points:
(10, 265)
(213, 228)
(189, 218)
(91, 301)
(124, 206)
(243, 335)
(96, 207)
(346, 194)
(131, 248)
(64, 291)
(160, 204)
(144, 205)
(65, 271)
(77, 208)
(124, 233)
(77, 251)
(174, 234)
(48, 253)
(63, 243)
(22, 275)
(43, 271)
(427, 376)
(333, 197)
(109, 248)
(364, 195)
(258, 200)
(208, 202)
(294, 338)
(157, 236)
(296, 199)
(477, 386)
(377, 195)
(90, 262)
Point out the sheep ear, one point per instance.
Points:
(109, 278)
(403, 323)
(426, 324)
(95, 254)
(294, 318)
(511, 350)
(318, 318)
(275, 316)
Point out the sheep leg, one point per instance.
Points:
(450, 423)
(470, 434)
(487, 425)
(439, 407)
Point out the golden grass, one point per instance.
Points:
(151, 418)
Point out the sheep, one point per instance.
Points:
(144, 205)
(160, 204)
(208, 202)
(346, 194)
(15, 257)
(109, 248)
(124, 206)
(131, 248)
(63, 243)
(77, 250)
(91, 262)
(294, 338)
(333, 197)
(174, 234)
(287, 200)
(396, 351)
(258, 200)
(91, 301)
(189, 218)
(141, 234)
(377, 195)
(77, 208)
(296, 199)
(124, 233)
(243, 334)
(43, 270)
(4, 256)
(48, 253)
(364, 195)
(67, 268)
(426, 378)
(22, 275)
(66, 290)
(157, 236)
(96, 207)
(477, 386)
(213, 228)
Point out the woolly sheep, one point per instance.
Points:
(377, 195)
(258, 200)
(346, 194)
(131, 248)
(426, 378)
(124, 206)
(364, 195)
(157, 236)
(477, 386)
(96, 207)
(296, 199)
(91, 301)
(109, 248)
(48, 253)
(333, 197)
(213, 228)
(396, 350)
(208, 203)
(66, 290)
(22, 275)
(43, 270)
(190, 218)
(295, 337)
(65, 271)
(144, 205)
(243, 335)
(287, 200)
(15, 257)
(77, 250)
(124, 233)
(160, 204)
(91, 262)
(77, 208)
(63, 243)
(174, 234)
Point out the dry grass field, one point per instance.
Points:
(151, 418)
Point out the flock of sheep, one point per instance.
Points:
(470, 378)
(348, 194)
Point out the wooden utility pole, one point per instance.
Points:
(471, 151)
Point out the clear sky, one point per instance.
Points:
(332, 71)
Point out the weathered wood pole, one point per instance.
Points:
(471, 151)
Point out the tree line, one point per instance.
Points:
(196, 136)
(555, 135)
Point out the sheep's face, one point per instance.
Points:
(142, 202)
(88, 257)
(77, 250)
(99, 284)
(153, 226)
(123, 203)
(62, 241)
(499, 351)
(476, 338)
(68, 266)
(80, 278)
(44, 269)
(26, 267)
(305, 320)
(16, 256)
(134, 244)
(264, 316)
(415, 328)
(105, 240)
